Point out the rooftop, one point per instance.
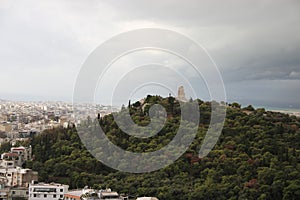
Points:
(74, 193)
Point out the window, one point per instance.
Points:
(61, 196)
(27, 192)
(13, 192)
(44, 190)
(54, 196)
(61, 190)
(34, 195)
(45, 195)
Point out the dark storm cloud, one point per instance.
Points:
(262, 38)
(263, 73)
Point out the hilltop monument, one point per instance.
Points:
(181, 94)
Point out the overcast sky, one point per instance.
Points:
(255, 44)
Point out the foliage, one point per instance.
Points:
(5, 147)
(257, 156)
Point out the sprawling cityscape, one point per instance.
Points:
(20, 120)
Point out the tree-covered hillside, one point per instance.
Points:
(257, 156)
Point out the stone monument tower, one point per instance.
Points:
(181, 94)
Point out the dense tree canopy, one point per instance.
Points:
(257, 156)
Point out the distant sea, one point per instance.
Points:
(290, 111)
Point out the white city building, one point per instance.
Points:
(16, 177)
(43, 191)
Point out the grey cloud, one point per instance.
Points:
(255, 42)
(263, 73)
(294, 75)
(249, 39)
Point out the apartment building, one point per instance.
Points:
(17, 177)
(44, 191)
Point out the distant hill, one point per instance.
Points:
(257, 157)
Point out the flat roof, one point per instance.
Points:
(147, 198)
(109, 194)
(74, 193)
(17, 149)
(11, 154)
(46, 184)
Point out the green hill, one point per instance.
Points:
(257, 156)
